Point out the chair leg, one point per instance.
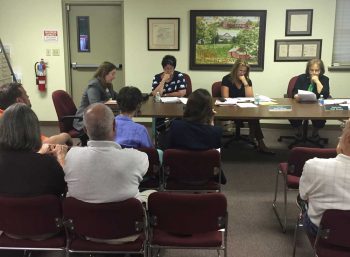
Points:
(275, 207)
(297, 225)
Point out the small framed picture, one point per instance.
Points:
(163, 34)
(297, 50)
(299, 22)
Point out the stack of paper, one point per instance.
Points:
(306, 96)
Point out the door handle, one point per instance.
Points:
(76, 66)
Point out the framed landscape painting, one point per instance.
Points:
(218, 38)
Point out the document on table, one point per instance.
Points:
(229, 101)
(170, 99)
(246, 105)
(336, 101)
(183, 100)
(306, 96)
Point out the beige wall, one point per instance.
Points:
(28, 19)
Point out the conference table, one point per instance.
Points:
(300, 111)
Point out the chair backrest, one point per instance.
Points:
(30, 216)
(181, 213)
(191, 167)
(299, 155)
(64, 106)
(189, 84)
(216, 89)
(104, 220)
(152, 178)
(333, 235)
(291, 85)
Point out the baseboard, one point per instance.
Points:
(48, 123)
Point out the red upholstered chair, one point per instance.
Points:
(189, 84)
(152, 179)
(291, 172)
(66, 110)
(105, 221)
(333, 234)
(216, 92)
(332, 237)
(320, 143)
(187, 170)
(29, 218)
(195, 221)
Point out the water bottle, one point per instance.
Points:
(256, 99)
(321, 100)
(157, 98)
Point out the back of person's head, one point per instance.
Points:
(129, 99)
(311, 62)
(238, 63)
(344, 140)
(169, 59)
(103, 70)
(9, 92)
(199, 107)
(19, 129)
(98, 122)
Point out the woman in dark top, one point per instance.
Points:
(238, 84)
(196, 131)
(100, 89)
(315, 81)
(23, 171)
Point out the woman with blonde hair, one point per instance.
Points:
(238, 84)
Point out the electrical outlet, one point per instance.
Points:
(48, 52)
(56, 52)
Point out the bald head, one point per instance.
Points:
(344, 141)
(99, 122)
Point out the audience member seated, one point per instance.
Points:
(196, 131)
(23, 171)
(324, 183)
(99, 90)
(238, 84)
(103, 171)
(15, 93)
(315, 81)
(129, 133)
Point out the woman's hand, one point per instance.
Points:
(315, 79)
(166, 77)
(244, 80)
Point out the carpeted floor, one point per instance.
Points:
(253, 227)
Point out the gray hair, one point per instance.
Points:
(98, 120)
(19, 129)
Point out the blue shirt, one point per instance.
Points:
(131, 134)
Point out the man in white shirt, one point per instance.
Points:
(325, 183)
(103, 171)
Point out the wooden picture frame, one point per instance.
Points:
(297, 50)
(219, 37)
(299, 22)
(163, 34)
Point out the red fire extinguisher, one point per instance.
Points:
(40, 73)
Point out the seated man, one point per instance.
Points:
(103, 171)
(325, 183)
(11, 93)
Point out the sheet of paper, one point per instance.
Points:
(245, 99)
(229, 101)
(336, 101)
(183, 100)
(169, 99)
(247, 105)
(111, 102)
(306, 96)
(267, 103)
(264, 98)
